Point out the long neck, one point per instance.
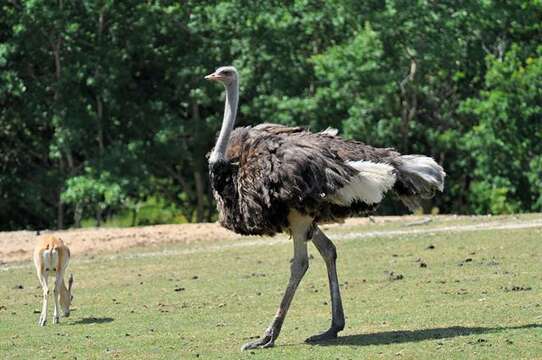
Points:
(230, 112)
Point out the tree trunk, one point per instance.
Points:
(60, 212)
(134, 217)
(409, 102)
(210, 207)
(77, 215)
(196, 165)
(98, 216)
(200, 196)
(177, 175)
(56, 46)
(60, 203)
(99, 102)
(99, 120)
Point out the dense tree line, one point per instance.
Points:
(103, 103)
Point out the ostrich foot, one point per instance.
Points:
(42, 321)
(266, 341)
(330, 334)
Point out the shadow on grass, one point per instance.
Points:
(92, 320)
(396, 337)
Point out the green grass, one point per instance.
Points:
(126, 306)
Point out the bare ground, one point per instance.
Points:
(17, 246)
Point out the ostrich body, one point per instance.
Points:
(271, 178)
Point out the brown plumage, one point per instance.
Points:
(272, 178)
(270, 169)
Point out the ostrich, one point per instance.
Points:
(271, 178)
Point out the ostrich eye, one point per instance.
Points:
(227, 72)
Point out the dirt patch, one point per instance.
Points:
(18, 245)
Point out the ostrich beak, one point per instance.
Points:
(214, 76)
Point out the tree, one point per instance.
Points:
(103, 97)
(506, 142)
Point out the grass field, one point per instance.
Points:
(477, 297)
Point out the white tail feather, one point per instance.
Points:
(426, 169)
(369, 186)
(422, 176)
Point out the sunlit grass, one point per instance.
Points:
(478, 296)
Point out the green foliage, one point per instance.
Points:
(356, 85)
(117, 88)
(91, 190)
(506, 143)
(535, 180)
(492, 198)
(152, 211)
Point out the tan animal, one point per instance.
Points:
(51, 258)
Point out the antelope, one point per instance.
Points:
(51, 257)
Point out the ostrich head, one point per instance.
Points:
(227, 75)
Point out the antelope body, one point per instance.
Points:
(51, 258)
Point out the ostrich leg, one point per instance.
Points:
(328, 252)
(299, 266)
